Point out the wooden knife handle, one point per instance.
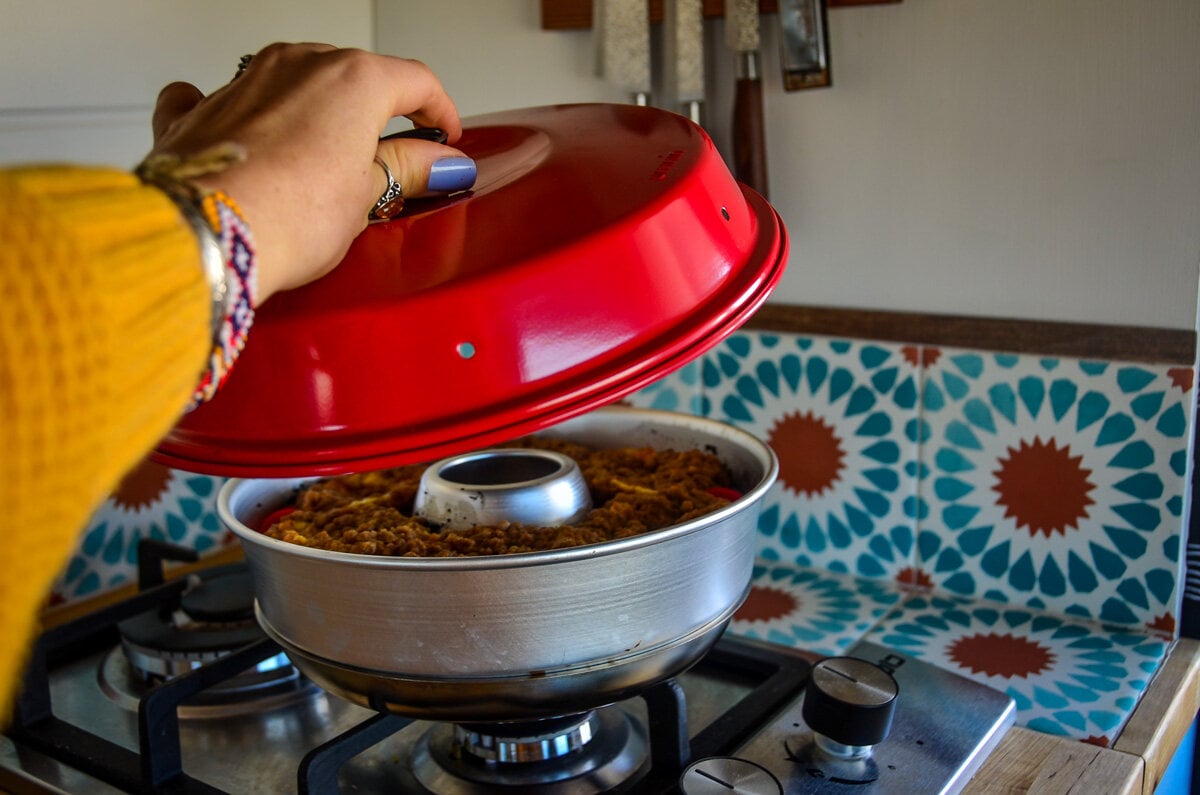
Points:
(749, 137)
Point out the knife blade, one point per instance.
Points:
(623, 45)
(749, 135)
(683, 55)
(804, 34)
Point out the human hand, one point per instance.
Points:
(309, 118)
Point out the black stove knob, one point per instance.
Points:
(851, 702)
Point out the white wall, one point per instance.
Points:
(78, 78)
(987, 157)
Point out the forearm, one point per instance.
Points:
(103, 333)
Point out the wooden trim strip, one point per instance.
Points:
(1046, 338)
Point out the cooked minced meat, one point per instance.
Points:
(634, 490)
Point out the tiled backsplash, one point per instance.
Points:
(1058, 484)
(1050, 483)
(151, 502)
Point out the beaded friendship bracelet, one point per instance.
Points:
(227, 251)
(236, 244)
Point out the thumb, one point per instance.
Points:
(174, 101)
(425, 168)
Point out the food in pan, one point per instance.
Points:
(634, 490)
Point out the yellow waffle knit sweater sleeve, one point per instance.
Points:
(104, 328)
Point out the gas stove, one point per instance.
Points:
(173, 691)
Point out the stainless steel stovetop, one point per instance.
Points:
(734, 723)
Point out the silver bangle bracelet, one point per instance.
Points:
(211, 258)
(169, 174)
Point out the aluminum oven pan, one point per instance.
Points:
(535, 694)
(508, 636)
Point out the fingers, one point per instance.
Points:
(402, 86)
(308, 118)
(418, 95)
(173, 102)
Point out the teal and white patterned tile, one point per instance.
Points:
(809, 609)
(1057, 484)
(1068, 677)
(843, 418)
(677, 391)
(152, 501)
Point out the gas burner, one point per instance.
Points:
(213, 617)
(589, 753)
(531, 741)
(272, 683)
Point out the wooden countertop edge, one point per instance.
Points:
(1165, 713)
(1030, 761)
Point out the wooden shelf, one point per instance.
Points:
(576, 14)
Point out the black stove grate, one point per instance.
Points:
(779, 679)
(157, 765)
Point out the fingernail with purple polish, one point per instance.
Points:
(452, 173)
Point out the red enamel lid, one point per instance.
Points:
(602, 247)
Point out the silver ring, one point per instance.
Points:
(391, 203)
(243, 62)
